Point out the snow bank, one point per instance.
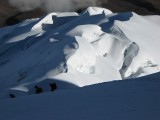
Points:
(134, 99)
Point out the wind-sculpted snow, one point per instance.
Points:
(75, 50)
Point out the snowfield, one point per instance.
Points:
(136, 99)
(78, 50)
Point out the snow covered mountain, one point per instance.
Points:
(75, 50)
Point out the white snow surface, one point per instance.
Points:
(134, 99)
(76, 50)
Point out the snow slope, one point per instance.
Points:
(75, 50)
(133, 99)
